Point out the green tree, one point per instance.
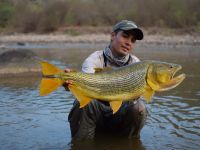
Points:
(6, 12)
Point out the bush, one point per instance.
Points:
(47, 16)
(52, 16)
(26, 17)
(6, 12)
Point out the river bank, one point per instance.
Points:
(20, 48)
(157, 39)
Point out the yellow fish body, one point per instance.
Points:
(125, 83)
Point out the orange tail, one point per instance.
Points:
(49, 85)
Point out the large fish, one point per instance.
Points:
(117, 85)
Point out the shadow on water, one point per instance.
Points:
(108, 143)
(20, 82)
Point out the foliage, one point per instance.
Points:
(47, 16)
(6, 12)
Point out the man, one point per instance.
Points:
(97, 116)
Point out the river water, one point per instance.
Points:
(29, 121)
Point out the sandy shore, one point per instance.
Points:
(98, 38)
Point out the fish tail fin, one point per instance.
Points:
(49, 69)
(49, 85)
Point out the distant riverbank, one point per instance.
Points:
(20, 53)
(97, 38)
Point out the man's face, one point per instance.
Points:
(122, 43)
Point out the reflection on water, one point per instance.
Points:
(108, 143)
(28, 121)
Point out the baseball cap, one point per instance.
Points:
(127, 25)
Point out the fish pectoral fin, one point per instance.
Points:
(148, 94)
(48, 85)
(153, 84)
(83, 100)
(115, 105)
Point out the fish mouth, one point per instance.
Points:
(179, 77)
(176, 69)
(174, 80)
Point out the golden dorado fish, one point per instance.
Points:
(115, 86)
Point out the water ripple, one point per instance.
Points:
(179, 116)
(27, 119)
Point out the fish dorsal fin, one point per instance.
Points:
(115, 105)
(99, 70)
(48, 85)
(148, 94)
(49, 69)
(83, 100)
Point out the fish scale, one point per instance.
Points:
(124, 80)
(129, 82)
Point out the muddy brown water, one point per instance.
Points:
(28, 121)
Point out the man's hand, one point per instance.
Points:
(66, 83)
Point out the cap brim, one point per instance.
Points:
(137, 32)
